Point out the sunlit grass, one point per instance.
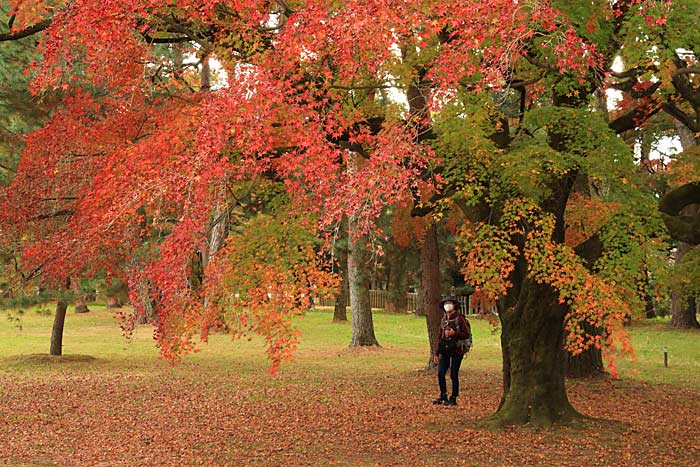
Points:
(323, 347)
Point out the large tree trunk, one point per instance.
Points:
(430, 286)
(532, 332)
(683, 309)
(587, 364)
(57, 330)
(358, 278)
(532, 340)
(684, 313)
(590, 362)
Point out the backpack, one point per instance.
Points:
(463, 344)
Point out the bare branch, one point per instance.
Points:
(62, 212)
(29, 31)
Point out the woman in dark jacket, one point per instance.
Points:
(454, 340)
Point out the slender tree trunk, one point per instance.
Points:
(80, 303)
(430, 285)
(649, 308)
(418, 94)
(219, 228)
(532, 340)
(218, 232)
(397, 280)
(358, 278)
(341, 298)
(57, 330)
(590, 362)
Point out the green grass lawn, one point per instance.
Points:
(97, 334)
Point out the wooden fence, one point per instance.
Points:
(379, 299)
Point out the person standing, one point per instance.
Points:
(454, 341)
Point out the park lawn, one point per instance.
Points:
(113, 402)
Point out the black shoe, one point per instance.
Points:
(442, 400)
(451, 401)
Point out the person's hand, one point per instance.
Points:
(450, 332)
(436, 359)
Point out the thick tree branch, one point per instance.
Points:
(685, 71)
(682, 228)
(166, 40)
(675, 112)
(632, 119)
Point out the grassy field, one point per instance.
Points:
(114, 402)
(97, 334)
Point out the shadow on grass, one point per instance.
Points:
(41, 358)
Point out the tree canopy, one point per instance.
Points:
(141, 152)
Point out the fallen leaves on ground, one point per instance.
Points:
(194, 415)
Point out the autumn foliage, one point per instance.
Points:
(125, 178)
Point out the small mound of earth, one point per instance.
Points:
(363, 349)
(46, 358)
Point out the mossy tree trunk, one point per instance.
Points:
(587, 364)
(590, 362)
(532, 342)
(683, 309)
(532, 336)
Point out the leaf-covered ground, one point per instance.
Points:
(110, 403)
(91, 414)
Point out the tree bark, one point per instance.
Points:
(219, 228)
(683, 309)
(590, 362)
(587, 364)
(532, 340)
(341, 298)
(430, 286)
(218, 231)
(358, 278)
(57, 330)
(397, 281)
(80, 303)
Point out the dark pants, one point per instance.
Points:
(452, 362)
